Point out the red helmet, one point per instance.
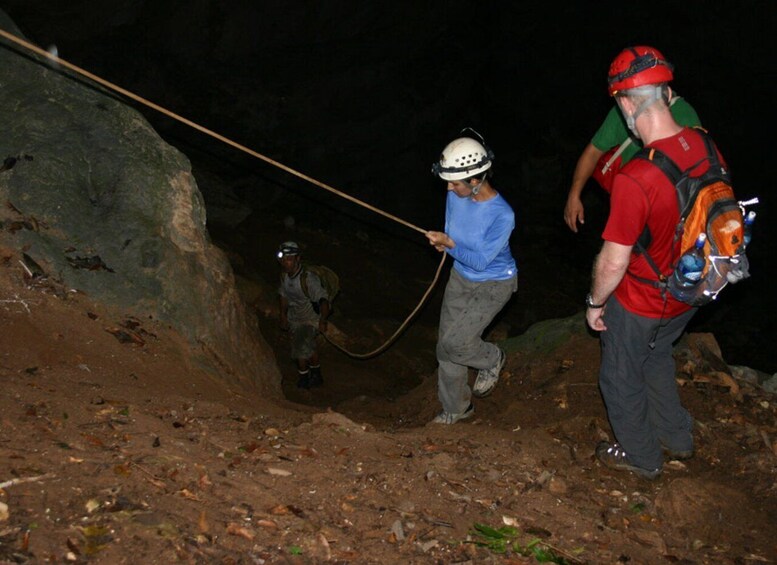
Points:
(638, 66)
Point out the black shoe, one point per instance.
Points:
(315, 377)
(612, 455)
(304, 380)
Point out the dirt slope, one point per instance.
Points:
(116, 446)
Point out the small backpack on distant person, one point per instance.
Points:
(329, 281)
(707, 205)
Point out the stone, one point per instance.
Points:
(105, 206)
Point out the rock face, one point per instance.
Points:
(99, 201)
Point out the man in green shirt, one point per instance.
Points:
(612, 147)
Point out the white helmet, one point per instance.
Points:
(286, 249)
(463, 158)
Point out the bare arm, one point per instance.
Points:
(609, 268)
(573, 211)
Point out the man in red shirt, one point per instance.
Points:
(639, 323)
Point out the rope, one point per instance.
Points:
(124, 92)
(200, 128)
(401, 328)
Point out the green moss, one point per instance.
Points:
(544, 337)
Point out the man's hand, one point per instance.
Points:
(609, 268)
(323, 325)
(595, 318)
(574, 212)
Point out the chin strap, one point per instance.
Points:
(654, 94)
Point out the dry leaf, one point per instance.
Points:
(186, 493)
(280, 510)
(510, 521)
(94, 440)
(73, 546)
(123, 470)
(237, 530)
(156, 482)
(727, 381)
(126, 336)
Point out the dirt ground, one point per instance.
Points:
(118, 446)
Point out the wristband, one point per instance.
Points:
(589, 301)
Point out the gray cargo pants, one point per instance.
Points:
(638, 385)
(467, 308)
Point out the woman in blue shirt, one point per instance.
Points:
(478, 224)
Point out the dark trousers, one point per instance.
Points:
(638, 384)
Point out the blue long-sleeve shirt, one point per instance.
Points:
(481, 231)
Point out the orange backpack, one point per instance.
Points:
(707, 205)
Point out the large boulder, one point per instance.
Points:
(97, 200)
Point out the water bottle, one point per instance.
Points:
(749, 219)
(691, 265)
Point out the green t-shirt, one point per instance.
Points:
(613, 130)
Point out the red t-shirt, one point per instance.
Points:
(643, 195)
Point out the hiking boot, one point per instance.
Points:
(487, 378)
(315, 377)
(612, 455)
(451, 418)
(304, 380)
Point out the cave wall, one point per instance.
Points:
(96, 199)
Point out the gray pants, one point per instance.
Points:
(467, 308)
(638, 385)
(303, 340)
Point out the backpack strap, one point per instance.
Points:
(673, 173)
(621, 148)
(660, 160)
(303, 282)
(660, 284)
